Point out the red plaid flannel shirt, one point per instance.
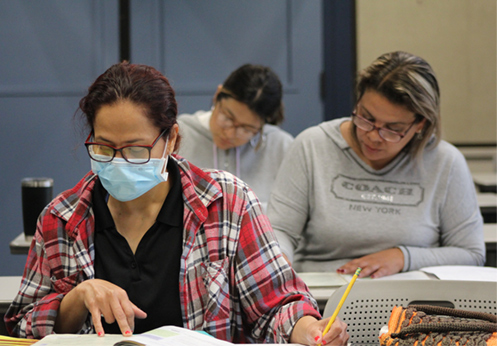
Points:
(234, 282)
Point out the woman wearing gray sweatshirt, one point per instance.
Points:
(240, 133)
(379, 189)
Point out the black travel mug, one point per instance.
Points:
(36, 194)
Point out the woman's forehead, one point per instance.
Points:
(379, 107)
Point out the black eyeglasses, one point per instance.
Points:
(386, 134)
(137, 154)
(242, 131)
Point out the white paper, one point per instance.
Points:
(463, 273)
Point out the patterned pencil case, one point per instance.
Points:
(429, 325)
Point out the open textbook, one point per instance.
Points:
(163, 336)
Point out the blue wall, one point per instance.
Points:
(51, 51)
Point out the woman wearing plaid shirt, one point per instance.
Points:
(148, 239)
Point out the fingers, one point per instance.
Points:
(383, 263)
(104, 299)
(380, 272)
(123, 314)
(369, 270)
(97, 321)
(308, 331)
(367, 267)
(337, 334)
(118, 311)
(139, 313)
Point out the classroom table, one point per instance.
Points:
(488, 206)
(485, 181)
(20, 245)
(490, 238)
(9, 287)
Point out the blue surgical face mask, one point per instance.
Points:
(126, 181)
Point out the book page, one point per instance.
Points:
(325, 279)
(164, 336)
(79, 340)
(171, 335)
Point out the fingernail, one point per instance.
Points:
(316, 338)
(339, 270)
(128, 332)
(100, 333)
(324, 342)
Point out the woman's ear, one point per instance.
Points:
(173, 136)
(218, 90)
(420, 126)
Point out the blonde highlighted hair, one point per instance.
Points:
(406, 80)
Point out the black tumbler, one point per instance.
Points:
(36, 194)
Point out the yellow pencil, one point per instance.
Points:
(345, 294)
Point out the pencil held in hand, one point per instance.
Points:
(345, 294)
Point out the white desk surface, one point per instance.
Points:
(486, 152)
(485, 178)
(9, 287)
(490, 232)
(487, 199)
(21, 244)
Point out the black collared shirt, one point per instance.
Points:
(151, 275)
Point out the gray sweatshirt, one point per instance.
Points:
(328, 206)
(257, 168)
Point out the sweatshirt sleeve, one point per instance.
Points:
(461, 224)
(288, 207)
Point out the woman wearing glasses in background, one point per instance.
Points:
(147, 239)
(379, 190)
(239, 134)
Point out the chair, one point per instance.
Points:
(369, 304)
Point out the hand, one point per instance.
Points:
(308, 331)
(376, 265)
(103, 298)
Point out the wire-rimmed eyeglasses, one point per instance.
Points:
(137, 154)
(386, 134)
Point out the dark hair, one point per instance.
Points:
(259, 88)
(406, 80)
(140, 84)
